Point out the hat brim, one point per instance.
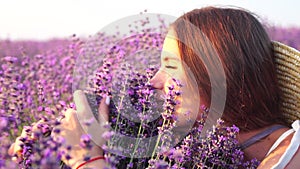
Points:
(288, 72)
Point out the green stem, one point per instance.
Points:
(139, 132)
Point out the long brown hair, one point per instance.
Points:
(246, 54)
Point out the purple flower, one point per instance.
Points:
(85, 141)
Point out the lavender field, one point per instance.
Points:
(36, 80)
(289, 36)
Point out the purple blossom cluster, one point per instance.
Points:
(219, 148)
(133, 111)
(33, 88)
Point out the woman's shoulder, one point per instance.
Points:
(295, 162)
(287, 153)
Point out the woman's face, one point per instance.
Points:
(173, 67)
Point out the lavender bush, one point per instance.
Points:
(33, 88)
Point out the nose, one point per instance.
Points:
(158, 80)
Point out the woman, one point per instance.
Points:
(197, 41)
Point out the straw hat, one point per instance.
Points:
(288, 73)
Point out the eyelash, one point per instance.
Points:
(171, 67)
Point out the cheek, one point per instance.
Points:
(168, 79)
(188, 109)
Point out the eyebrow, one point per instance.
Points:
(170, 58)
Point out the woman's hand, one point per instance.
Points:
(73, 130)
(28, 133)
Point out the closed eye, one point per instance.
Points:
(171, 67)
